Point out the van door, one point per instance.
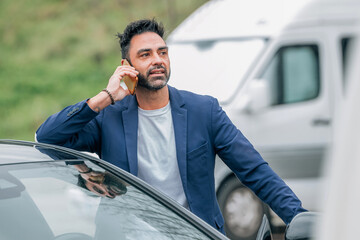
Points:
(293, 131)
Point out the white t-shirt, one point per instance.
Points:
(157, 161)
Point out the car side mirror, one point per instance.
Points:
(257, 96)
(302, 226)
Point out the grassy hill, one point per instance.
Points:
(54, 53)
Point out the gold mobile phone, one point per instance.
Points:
(129, 81)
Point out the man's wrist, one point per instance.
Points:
(99, 102)
(110, 95)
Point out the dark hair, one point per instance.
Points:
(136, 28)
(81, 182)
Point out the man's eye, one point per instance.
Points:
(163, 53)
(144, 55)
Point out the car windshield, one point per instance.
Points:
(213, 68)
(51, 200)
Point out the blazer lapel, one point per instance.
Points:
(179, 115)
(130, 118)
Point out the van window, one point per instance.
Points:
(293, 74)
(213, 68)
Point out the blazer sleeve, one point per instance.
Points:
(248, 165)
(74, 127)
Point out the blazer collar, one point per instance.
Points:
(130, 118)
(175, 98)
(179, 116)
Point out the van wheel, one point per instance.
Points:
(242, 210)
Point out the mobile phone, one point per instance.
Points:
(130, 82)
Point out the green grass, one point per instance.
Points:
(57, 52)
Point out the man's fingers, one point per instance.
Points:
(121, 69)
(118, 90)
(129, 73)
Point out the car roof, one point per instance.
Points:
(16, 151)
(224, 19)
(327, 13)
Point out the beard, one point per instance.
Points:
(153, 83)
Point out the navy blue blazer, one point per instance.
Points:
(202, 130)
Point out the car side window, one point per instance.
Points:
(293, 74)
(94, 205)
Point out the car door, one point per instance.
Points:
(293, 131)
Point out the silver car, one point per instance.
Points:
(51, 192)
(46, 194)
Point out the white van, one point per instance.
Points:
(283, 95)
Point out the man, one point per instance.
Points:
(167, 137)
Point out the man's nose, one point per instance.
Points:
(157, 60)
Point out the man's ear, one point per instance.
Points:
(125, 62)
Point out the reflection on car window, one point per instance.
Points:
(51, 202)
(293, 74)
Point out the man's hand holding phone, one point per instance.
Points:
(126, 73)
(114, 91)
(130, 82)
